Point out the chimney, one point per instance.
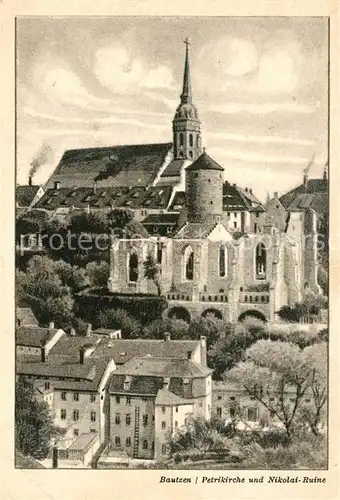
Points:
(88, 329)
(276, 194)
(203, 342)
(95, 187)
(166, 382)
(246, 190)
(30, 180)
(72, 332)
(250, 191)
(43, 354)
(81, 355)
(57, 185)
(305, 181)
(167, 337)
(51, 325)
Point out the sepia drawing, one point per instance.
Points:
(172, 243)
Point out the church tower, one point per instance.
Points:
(186, 125)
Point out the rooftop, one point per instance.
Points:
(135, 165)
(123, 350)
(33, 336)
(204, 162)
(195, 230)
(25, 317)
(163, 367)
(167, 398)
(314, 186)
(83, 442)
(25, 194)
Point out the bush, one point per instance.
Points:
(120, 319)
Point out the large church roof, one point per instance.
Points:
(116, 166)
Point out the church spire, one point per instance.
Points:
(186, 96)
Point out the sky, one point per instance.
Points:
(260, 86)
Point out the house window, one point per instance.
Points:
(133, 268)
(235, 215)
(235, 225)
(75, 396)
(163, 425)
(145, 444)
(117, 419)
(223, 261)
(176, 424)
(63, 414)
(260, 262)
(255, 227)
(219, 397)
(219, 412)
(76, 432)
(47, 385)
(252, 414)
(117, 440)
(75, 415)
(145, 420)
(176, 409)
(128, 419)
(93, 398)
(93, 416)
(163, 409)
(63, 396)
(93, 430)
(117, 400)
(191, 140)
(128, 441)
(191, 154)
(189, 264)
(128, 400)
(257, 214)
(228, 214)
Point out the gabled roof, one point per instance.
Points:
(122, 350)
(25, 317)
(236, 198)
(314, 186)
(167, 398)
(318, 202)
(33, 336)
(83, 442)
(175, 167)
(204, 162)
(161, 219)
(25, 194)
(111, 166)
(163, 367)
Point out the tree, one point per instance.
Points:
(120, 319)
(98, 273)
(89, 223)
(278, 375)
(34, 427)
(119, 218)
(152, 272)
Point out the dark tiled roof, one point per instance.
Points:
(33, 336)
(25, 316)
(167, 219)
(163, 367)
(122, 350)
(70, 346)
(111, 166)
(179, 201)
(138, 385)
(174, 168)
(106, 198)
(25, 194)
(318, 202)
(195, 230)
(314, 186)
(204, 162)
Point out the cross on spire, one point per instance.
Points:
(186, 42)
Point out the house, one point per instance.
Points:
(37, 341)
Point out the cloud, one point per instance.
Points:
(262, 108)
(259, 158)
(262, 139)
(121, 73)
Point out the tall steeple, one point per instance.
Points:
(186, 125)
(186, 96)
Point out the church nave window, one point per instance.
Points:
(133, 268)
(260, 262)
(223, 259)
(188, 264)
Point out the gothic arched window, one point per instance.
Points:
(188, 261)
(191, 140)
(133, 267)
(260, 262)
(223, 261)
(181, 139)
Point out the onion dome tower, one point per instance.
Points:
(186, 125)
(204, 190)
